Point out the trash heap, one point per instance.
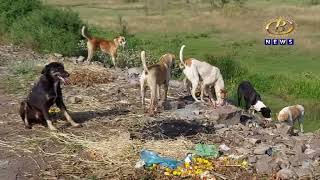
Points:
(247, 148)
(205, 161)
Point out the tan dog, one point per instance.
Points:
(292, 113)
(155, 76)
(210, 75)
(106, 46)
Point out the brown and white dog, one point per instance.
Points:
(210, 75)
(107, 46)
(291, 114)
(155, 76)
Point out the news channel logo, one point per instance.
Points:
(279, 31)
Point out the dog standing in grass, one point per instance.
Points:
(210, 75)
(106, 46)
(291, 114)
(44, 94)
(155, 76)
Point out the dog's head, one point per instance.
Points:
(56, 72)
(121, 41)
(168, 59)
(266, 113)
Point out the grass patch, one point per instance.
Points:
(22, 73)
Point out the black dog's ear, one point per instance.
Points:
(44, 70)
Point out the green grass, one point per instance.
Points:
(21, 73)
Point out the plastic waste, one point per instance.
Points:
(269, 151)
(224, 147)
(150, 157)
(206, 150)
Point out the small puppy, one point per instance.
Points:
(291, 114)
(155, 76)
(252, 99)
(44, 94)
(210, 75)
(106, 46)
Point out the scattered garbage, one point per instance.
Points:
(224, 147)
(150, 158)
(54, 110)
(269, 151)
(203, 162)
(206, 150)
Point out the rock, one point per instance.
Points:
(295, 161)
(176, 84)
(4, 164)
(284, 129)
(75, 100)
(80, 59)
(242, 150)
(285, 174)
(173, 105)
(252, 159)
(261, 149)
(134, 72)
(303, 173)
(57, 55)
(265, 165)
(254, 141)
(282, 162)
(219, 126)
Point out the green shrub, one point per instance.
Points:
(48, 30)
(12, 10)
(229, 68)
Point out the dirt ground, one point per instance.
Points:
(114, 128)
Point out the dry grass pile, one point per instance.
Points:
(90, 76)
(177, 149)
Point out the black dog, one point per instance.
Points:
(43, 95)
(252, 98)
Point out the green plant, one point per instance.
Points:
(48, 30)
(12, 10)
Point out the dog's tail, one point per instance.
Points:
(143, 59)
(239, 96)
(84, 34)
(181, 55)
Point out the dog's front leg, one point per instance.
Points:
(62, 107)
(194, 88)
(113, 58)
(49, 122)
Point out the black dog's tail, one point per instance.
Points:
(22, 110)
(239, 96)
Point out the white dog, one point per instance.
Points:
(210, 75)
(292, 113)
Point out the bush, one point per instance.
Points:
(40, 27)
(48, 30)
(11, 10)
(229, 68)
